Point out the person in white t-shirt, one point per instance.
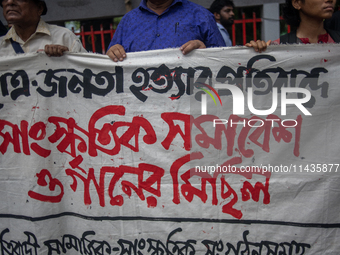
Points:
(30, 33)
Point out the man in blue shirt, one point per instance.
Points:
(160, 24)
(223, 11)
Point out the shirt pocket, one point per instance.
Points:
(185, 32)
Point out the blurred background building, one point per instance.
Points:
(95, 20)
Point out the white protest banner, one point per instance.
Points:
(223, 151)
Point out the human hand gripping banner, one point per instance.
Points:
(223, 151)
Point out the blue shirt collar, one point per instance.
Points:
(220, 26)
(145, 7)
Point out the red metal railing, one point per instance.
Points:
(92, 35)
(244, 21)
(254, 20)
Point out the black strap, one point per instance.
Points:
(16, 46)
(292, 38)
(289, 38)
(334, 34)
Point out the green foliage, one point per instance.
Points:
(73, 24)
(116, 21)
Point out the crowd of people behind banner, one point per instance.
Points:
(160, 24)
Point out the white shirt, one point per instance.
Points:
(44, 34)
